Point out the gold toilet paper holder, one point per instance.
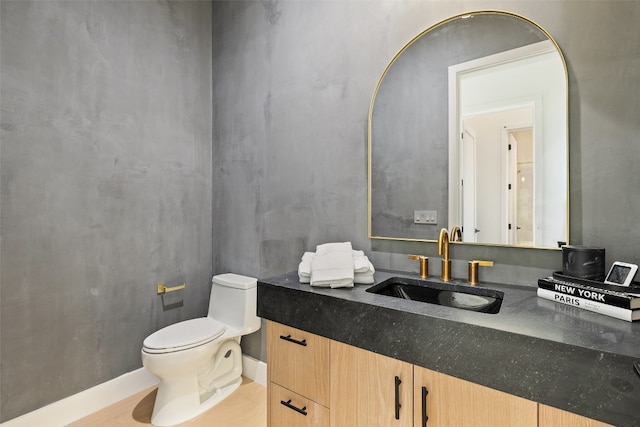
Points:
(163, 289)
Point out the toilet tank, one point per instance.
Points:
(233, 301)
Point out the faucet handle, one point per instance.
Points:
(473, 269)
(424, 264)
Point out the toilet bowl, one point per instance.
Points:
(199, 361)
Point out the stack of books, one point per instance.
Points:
(615, 301)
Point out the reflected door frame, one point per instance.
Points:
(468, 190)
(488, 173)
(456, 125)
(510, 145)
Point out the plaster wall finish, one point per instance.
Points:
(292, 86)
(292, 82)
(106, 187)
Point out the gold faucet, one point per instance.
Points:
(456, 234)
(473, 269)
(424, 264)
(443, 249)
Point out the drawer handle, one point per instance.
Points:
(398, 405)
(288, 338)
(424, 406)
(288, 404)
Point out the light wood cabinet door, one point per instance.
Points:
(452, 402)
(368, 389)
(292, 410)
(298, 361)
(553, 417)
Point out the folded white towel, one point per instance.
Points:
(363, 278)
(334, 247)
(304, 268)
(361, 263)
(362, 267)
(332, 265)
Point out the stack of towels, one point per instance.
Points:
(335, 265)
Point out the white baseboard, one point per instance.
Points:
(254, 369)
(87, 402)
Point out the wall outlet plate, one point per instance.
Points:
(425, 217)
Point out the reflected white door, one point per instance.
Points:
(468, 186)
(521, 189)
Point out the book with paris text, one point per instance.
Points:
(590, 305)
(628, 300)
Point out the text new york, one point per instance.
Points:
(583, 293)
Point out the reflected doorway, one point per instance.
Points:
(520, 190)
(492, 85)
(468, 186)
(497, 162)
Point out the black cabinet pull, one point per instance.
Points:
(288, 338)
(424, 406)
(288, 404)
(398, 405)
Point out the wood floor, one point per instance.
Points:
(246, 407)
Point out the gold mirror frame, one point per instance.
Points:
(370, 117)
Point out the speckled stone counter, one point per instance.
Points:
(537, 349)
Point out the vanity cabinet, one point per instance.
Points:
(298, 377)
(390, 392)
(554, 417)
(315, 381)
(368, 389)
(451, 402)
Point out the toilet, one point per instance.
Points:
(199, 361)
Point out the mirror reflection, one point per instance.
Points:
(468, 128)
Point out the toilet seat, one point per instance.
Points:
(184, 335)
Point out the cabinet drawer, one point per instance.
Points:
(298, 361)
(292, 410)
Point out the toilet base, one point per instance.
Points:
(169, 411)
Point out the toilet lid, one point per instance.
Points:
(185, 334)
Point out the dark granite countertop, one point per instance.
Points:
(537, 349)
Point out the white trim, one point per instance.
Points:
(254, 369)
(513, 55)
(87, 402)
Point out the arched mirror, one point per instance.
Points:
(468, 128)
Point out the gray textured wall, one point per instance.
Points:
(292, 86)
(106, 187)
